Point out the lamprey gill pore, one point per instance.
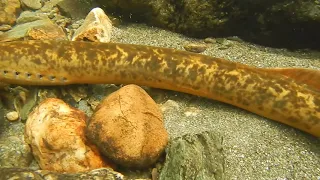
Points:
(277, 96)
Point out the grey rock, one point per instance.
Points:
(271, 22)
(40, 29)
(198, 156)
(49, 6)
(32, 4)
(84, 106)
(97, 174)
(28, 16)
(76, 9)
(14, 152)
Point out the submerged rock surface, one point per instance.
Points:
(55, 132)
(128, 128)
(198, 156)
(270, 22)
(20, 173)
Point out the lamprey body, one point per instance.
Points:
(271, 95)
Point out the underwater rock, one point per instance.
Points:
(55, 132)
(128, 128)
(40, 29)
(29, 16)
(12, 116)
(96, 27)
(14, 152)
(24, 173)
(210, 40)
(9, 9)
(5, 27)
(76, 9)
(32, 4)
(198, 156)
(195, 47)
(270, 22)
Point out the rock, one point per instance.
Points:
(154, 174)
(14, 152)
(195, 47)
(12, 116)
(32, 4)
(5, 27)
(55, 132)
(28, 16)
(61, 21)
(20, 173)
(170, 105)
(76, 9)
(209, 40)
(85, 107)
(48, 6)
(96, 27)
(9, 9)
(257, 21)
(198, 156)
(128, 128)
(40, 29)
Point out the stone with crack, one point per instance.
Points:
(128, 128)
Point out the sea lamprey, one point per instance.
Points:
(273, 95)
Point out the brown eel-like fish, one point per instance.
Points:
(277, 95)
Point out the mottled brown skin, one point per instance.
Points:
(309, 77)
(271, 95)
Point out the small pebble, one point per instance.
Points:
(154, 174)
(195, 47)
(75, 26)
(5, 27)
(12, 116)
(235, 38)
(210, 40)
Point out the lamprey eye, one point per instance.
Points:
(5, 72)
(64, 79)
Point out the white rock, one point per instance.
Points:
(56, 134)
(12, 116)
(96, 27)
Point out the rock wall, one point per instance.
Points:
(278, 23)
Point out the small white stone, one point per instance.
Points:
(96, 27)
(12, 116)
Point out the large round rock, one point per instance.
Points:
(128, 128)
